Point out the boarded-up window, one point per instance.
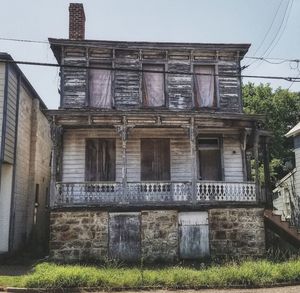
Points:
(100, 160)
(100, 86)
(204, 84)
(193, 235)
(124, 236)
(153, 86)
(155, 159)
(209, 159)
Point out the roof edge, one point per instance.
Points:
(6, 56)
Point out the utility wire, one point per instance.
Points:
(278, 33)
(266, 59)
(284, 28)
(292, 79)
(269, 29)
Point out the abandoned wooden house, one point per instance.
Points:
(25, 150)
(151, 151)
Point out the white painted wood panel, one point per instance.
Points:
(5, 200)
(73, 163)
(193, 235)
(232, 158)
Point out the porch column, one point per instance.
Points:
(256, 164)
(55, 137)
(268, 193)
(192, 135)
(123, 131)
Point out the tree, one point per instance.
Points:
(282, 111)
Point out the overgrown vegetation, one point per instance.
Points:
(249, 273)
(282, 110)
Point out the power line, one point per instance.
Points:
(291, 79)
(273, 41)
(266, 59)
(269, 29)
(284, 27)
(23, 40)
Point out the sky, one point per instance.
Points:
(271, 26)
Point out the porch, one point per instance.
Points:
(153, 193)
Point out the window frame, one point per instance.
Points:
(216, 85)
(86, 158)
(220, 148)
(169, 162)
(165, 79)
(110, 66)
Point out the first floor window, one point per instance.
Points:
(204, 84)
(209, 156)
(153, 85)
(100, 83)
(155, 159)
(100, 162)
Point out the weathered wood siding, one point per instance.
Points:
(229, 87)
(74, 153)
(127, 85)
(180, 150)
(11, 117)
(180, 87)
(232, 158)
(74, 80)
(2, 86)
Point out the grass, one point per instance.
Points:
(249, 274)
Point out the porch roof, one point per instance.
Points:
(151, 117)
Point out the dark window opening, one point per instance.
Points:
(100, 86)
(155, 159)
(209, 156)
(204, 86)
(153, 86)
(100, 160)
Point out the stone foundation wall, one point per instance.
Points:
(159, 236)
(75, 236)
(78, 236)
(237, 232)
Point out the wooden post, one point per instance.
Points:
(55, 136)
(123, 132)
(256, 165)
(268, 193)
(194, 159)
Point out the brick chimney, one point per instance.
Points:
(76, 21)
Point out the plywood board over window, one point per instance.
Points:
(100, 81)
(155, 159)
(153, 85)
(204, 85)
(100, 162)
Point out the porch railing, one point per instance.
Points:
(147, 193)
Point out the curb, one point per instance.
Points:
(102, 289)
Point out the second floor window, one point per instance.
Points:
(204, 85)
(100, 159)
(153, 86)
(100, 82)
